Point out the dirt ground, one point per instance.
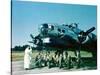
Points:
(17, 69)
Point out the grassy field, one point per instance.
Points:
(19, 55)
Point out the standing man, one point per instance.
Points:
(28, 58)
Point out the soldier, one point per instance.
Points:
(78, 59)
(55, 59)
(48, 60)
(45, 59)
(69, 64)
(38, 60)
(65, 58)
(60, 60)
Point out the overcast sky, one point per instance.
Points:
(27, 16)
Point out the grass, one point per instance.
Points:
(19, 55)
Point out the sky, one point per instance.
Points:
(27, 16)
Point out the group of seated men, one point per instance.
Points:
(50, 60)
